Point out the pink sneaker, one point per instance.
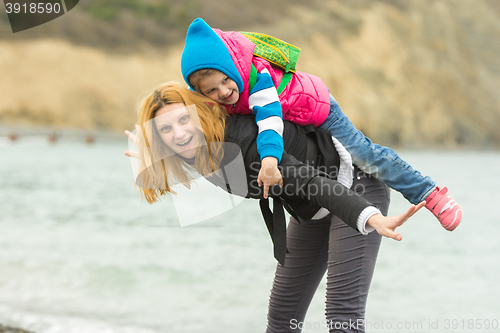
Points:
(442, 205)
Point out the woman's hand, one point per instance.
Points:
(269, 174)
(131, 153)
(385, 226)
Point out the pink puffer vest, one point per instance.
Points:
(304, 101)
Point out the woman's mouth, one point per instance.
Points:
(185, 142)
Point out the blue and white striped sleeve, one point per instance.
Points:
(265, 104)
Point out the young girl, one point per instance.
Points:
(218, 64)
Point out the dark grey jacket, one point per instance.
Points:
(309, 167)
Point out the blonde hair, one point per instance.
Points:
(154, 180)
(195, 77)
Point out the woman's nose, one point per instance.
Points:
(179, 132)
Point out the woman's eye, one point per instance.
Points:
(184, 119)
(165, 129)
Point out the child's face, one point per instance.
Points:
(219, 88)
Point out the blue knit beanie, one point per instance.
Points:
(205, 49)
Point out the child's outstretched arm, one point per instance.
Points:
(265, 104)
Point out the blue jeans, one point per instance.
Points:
(381, 162)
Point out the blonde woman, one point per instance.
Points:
(330, 228)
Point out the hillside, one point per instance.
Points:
(414, 73)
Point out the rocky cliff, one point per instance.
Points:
(414, 73)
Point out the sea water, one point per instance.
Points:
(80, 252)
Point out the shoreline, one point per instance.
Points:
(44, 134)
(8, 329)
(33, 130)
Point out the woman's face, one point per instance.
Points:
(177, 130)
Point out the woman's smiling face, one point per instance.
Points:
(177, 130)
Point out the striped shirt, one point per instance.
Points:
(265, 104)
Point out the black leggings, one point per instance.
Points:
(318, 246)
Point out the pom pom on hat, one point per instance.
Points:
(205, 49)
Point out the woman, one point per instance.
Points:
(181, 131)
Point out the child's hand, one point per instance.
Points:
(131, 153)
(269, 174)
(385, 226)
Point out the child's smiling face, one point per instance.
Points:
(219, 88)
